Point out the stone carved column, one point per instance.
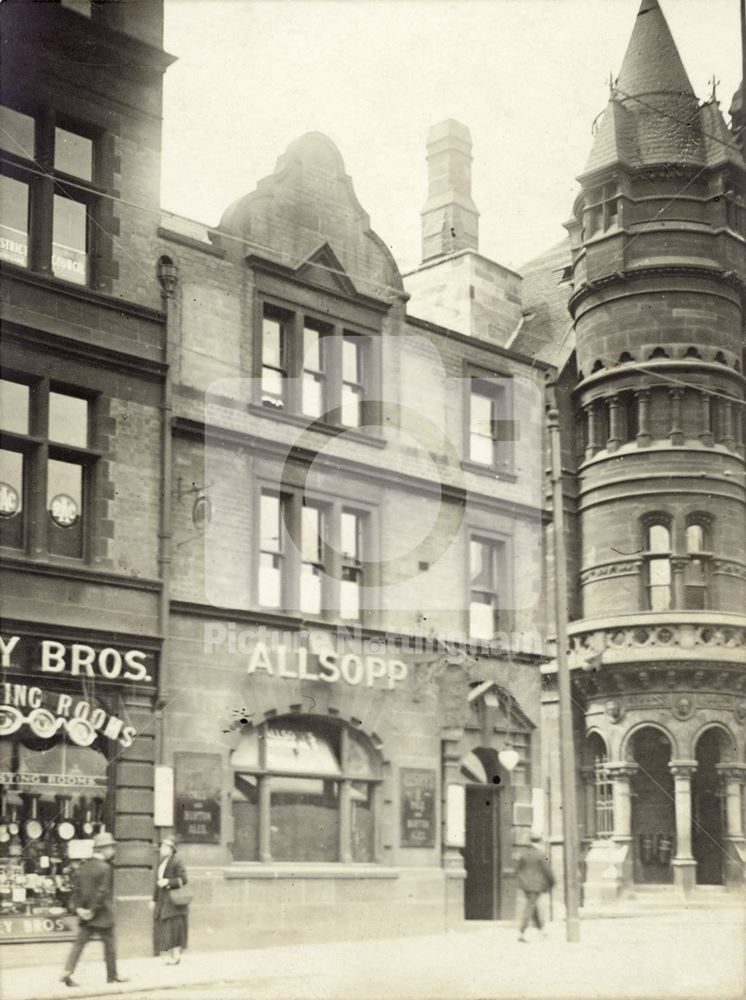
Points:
(738, 427)
(644, 437)
(615, 428)
(705, 435)
(678, 570)
(726, 424)
(594, 444)
(677, 431)
(732, 776)
(621, 774)
(684, 865)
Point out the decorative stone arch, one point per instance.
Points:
(728, 743)
(593, 735)
(626, 749)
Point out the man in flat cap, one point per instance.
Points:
(534, 877)
(93, 901)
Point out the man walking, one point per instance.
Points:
(93, 900)
(534, 877)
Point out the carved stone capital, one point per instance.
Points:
(682, 768)
(731, 772)
(622, 770)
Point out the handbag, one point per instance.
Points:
(181, 897)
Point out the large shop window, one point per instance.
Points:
(46, 467)
(316, 369)
(304, 790)
(48, 199)
(53, 800)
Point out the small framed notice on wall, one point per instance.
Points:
(417, 791)
(197, 797)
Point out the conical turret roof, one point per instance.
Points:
(653, 117)
(652, 64)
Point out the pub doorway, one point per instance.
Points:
(487, 812)
(707, 810)
(653, 807)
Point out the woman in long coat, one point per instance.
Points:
(170, 923)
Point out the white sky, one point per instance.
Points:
(527, 76)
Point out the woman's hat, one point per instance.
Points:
(170, 841)
(103, 839)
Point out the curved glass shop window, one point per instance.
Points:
(304, 790)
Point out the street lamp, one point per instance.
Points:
(567, 744)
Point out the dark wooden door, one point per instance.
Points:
(482, 853)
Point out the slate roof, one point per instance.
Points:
(653, 116)
(544, 333)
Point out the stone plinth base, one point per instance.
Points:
(608, 872)
(684, 874)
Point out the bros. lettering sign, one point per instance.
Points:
(96, 660)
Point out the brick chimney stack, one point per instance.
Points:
(450, 220)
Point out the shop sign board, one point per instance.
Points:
(58, 780)
(32, 928)
(197, 798)
(45, 657)
(327, 666)
(48, 712)
(418, 787)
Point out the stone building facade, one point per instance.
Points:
(650, 392)
(356, 578)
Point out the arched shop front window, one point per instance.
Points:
(304, 790)
(53, 800)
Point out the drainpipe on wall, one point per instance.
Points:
(168, 279)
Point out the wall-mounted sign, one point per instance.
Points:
(47, 712)
(30, 928)
(327, 665)
(98, 661)
(198, 782)
(417, 803)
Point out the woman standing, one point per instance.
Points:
(170, 927)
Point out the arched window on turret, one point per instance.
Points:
(696, 572)
(657, 542)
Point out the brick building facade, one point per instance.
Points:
(83, 383)
(271, 542)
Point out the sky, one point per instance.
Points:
(528, 77)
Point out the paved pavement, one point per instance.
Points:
(691, 954)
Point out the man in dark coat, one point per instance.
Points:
(534, 877)
(93, 901)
